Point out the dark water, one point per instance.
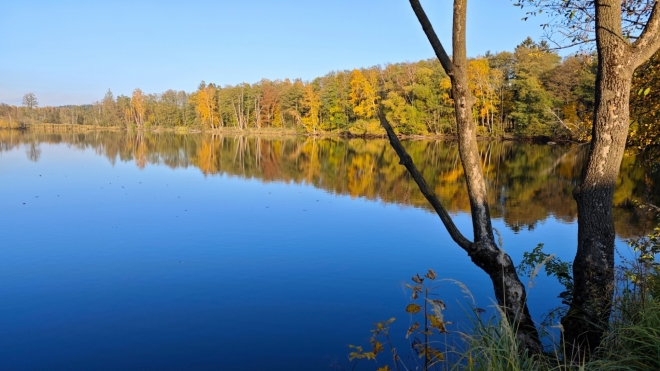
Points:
(161, 251)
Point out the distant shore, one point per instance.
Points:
(45, 127)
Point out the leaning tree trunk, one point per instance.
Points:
(593, 267)
(509, 291)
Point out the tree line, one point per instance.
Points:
(531, 91)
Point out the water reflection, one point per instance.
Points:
(527, 183)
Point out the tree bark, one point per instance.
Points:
(593, 267)
(509, 291)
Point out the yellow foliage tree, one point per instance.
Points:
(363, 96)
(311, 102)
(207, 105)
(484, 82)
(138, 106)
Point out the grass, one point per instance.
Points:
(632, 343)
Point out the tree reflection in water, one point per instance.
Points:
(527, 183)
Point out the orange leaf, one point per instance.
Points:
(434, 355)
(412, 329)
(378, 347)
(413, 308)
(435, 322)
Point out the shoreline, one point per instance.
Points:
(44, 127)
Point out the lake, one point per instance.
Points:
(135, 251)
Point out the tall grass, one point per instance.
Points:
(631, 343)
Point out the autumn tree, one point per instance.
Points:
(484, 83)
(207, 105)
(138, 107)
(311, 106)
(363, 96)
(270, 107)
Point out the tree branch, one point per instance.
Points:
(649, 41)
(439, 50)
(407, 161)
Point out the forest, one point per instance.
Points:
(530, 92)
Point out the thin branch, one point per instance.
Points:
(566, 46)
(565, 124)
(407, 161)
(653, 206)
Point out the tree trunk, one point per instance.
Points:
(593, 267)
(509, 291)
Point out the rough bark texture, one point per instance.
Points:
(509, 291)
(593, 267)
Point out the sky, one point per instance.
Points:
(73, 51)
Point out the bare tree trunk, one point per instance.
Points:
(509, 291)
(593, 267)
(238, 120)
(209, 106)
(257, 112)
(239, 112)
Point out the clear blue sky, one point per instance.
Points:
(72, 52)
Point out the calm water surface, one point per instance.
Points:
(162, 251)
